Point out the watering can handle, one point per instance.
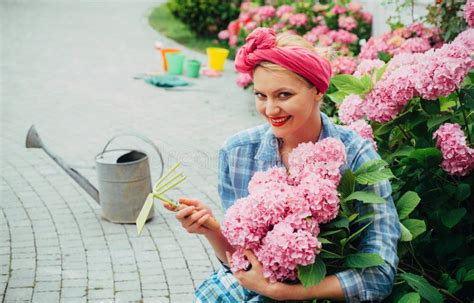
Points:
(144, 139)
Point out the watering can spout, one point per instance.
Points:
(33, 140)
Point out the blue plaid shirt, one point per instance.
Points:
(256, 149)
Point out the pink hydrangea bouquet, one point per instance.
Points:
(281, 218)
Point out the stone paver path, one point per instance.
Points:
(68, 67)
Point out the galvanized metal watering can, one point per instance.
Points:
(123, 175)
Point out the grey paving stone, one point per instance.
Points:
(78, 283)
(73, 292)
(127, 285)
(50, 286)
(19, 294)
(45, 297)
(100, 294)
(128, 296)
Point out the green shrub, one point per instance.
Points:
(205, 17)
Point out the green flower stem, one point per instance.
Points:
(166, 174)
(405, 134)
(463, 110)
(162, 191)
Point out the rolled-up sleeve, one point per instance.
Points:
(381, 237)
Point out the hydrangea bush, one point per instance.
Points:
(419, 107)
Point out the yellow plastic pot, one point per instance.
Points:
(216, 57)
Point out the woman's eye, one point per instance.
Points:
(259, 95)
(284, 95)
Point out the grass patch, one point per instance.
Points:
(165, 23)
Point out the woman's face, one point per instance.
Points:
(287, 102)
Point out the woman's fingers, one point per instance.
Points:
(185, 212)
(194, 218)
(193, 202)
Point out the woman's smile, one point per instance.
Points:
(279, 121)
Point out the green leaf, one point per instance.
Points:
(407, 203)
(371, 166)
(312, 274)
(467, 96)
(406, 234)
(435, 121)
(431, 107)
(380, 72)
(366, 197)
(469, 276)
(337, 97)
(421, 286)
(348, 84)
(415, 226)
(452, 217)
(428, 157)
(411, 297)
(461, 274)
(385, 57)
(463, 192)
(366, 82)
(374, 177)
(347, 184)
(446, 103)
(342, 222)
(324, 240)
(363, 260)
(355, 235)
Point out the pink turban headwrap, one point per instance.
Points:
(260, 46)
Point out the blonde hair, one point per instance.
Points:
(285, 40)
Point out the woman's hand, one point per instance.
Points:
(253, 279)
(193, 215)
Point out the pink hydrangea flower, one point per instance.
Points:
(243, 80)
(367, 17)
(354, 7)
(344, 65)
(298, 20)
(401, 60)
(338, 9)
(347, 22)
(343, 36)
(233, 40)
(266, 12)
(283, 249)
(391, 95)
(417, 27)
(469, 12)
(367, 67)
(413, 45)
(364, 130)
(465, 39)
(223, 35)
(327, 150)
(310, 37)
(371, 49)
(250, 26)
(351, 109)
(278, 26)
(442, 71)
(283, 10)
(458, 157)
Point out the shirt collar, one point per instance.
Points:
(268, 149)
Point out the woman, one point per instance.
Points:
(289, 82)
